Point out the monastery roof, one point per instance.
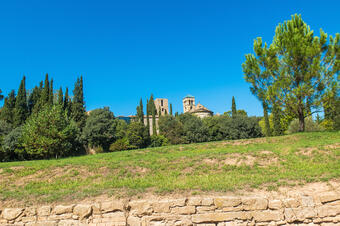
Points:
(200, 108)
(189, 96)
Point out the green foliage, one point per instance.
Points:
(158, 141)
(1, 96)
(170, 109)
(277, 115)
(20, 110)
(310, 126)
(100, 128)
(297, 69)
(137, 135)
(7, 110)
(11, 145)
(33, 99)
(78, 104)
(194, 130)
(171, 128)
(120, 145)
(121, 128)
(140, 111)
(233, 107)
(49, 134)
(51, 94)
(60, 97)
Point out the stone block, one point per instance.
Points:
(61, 209)
(161, 206)
(328, 211)
(12, 213)
(82, 211)
(307, 201)
(136, 221)
(112, 206)
(204, 209)
(44, 211)
(329, 197)
(140, 208)
(207, 201)
(221, 202)
(185, 210)
(255, 203)
(220, 217)
(291, 203)
(115, 217)
(194, 201)
(267, 215)
(275, 204)
(68, 223)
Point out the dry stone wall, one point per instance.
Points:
(321, 209)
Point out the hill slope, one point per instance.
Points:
(206, 167)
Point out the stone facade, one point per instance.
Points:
(322, 209)
(199, 110)
(162, 105)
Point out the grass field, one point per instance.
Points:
(196, 168)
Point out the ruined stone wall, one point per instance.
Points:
(323, 209)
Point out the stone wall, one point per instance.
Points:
(321, 209)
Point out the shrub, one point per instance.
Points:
(194, 130)
(158, 141)
(49, 133)
(137, 135)
(310, 126)
(11, 146)
(171, 128)
(120, 145)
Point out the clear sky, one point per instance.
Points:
(129, 49)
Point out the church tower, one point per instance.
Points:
(188, 103)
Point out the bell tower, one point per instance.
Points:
(188, 103)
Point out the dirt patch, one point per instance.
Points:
(245, 142)
(332, 146)
(17, 167)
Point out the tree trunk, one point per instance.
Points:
(266, 120)
(301, 120)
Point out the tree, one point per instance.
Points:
(233, 107)
(67, 103)
(1, 96)
(78, 104)
(51, 94)
(49, 134)
(137, 135)
(11, 146)
(100, 128)
(148, 116)
(7, 110)
(140, 111)
(152, 112)
(170, 108)
(33, 99)
(194, 130)
(171, 128)
(60, 97)
(299, 67)
(20, 110)
(277, 114)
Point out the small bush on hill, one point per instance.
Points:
(158, 141)
(310, 126)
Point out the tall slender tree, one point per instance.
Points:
(170, 108)
(78, 112)
(51, 93)
(1, 96)
(60, 97)
(148, 116)
(33, 99)
(7, 110)
(233, 107)
(67, 103)
(21, 110)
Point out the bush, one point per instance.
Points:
(194, 129)
(120, 145)
(137, 135)
(49, 134)
(310, 126)
(100, 128)
(158, 141)
(11, 146)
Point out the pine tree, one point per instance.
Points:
(60, 97)
(78, 112)
(170, 109)
(51, 94)
(67, 103)
(45, 94)
(7, 110)
(20, 111)
(233, 107)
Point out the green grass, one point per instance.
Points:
(196, 168)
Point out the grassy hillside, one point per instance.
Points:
(215, 166)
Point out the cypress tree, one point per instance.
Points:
(148, 116)
(7, 110)
(78, 112)
(1, 96)
(141, 110)
(170, 109)
(51, 94)
(20, 111)
(45, 93)
(233, 107)
(67, 103)
(33, 99)
(159, 112)
(60, 97)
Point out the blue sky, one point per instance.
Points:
(129, 49)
